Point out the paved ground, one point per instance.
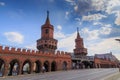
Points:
(86, 74)
(115, 76)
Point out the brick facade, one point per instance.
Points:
(8, 58)
(106, 61)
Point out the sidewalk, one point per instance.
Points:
(116, 76)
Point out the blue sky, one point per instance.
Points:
(98, 22)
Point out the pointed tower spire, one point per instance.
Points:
(47, 20)
(78, 35)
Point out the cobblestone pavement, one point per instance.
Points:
(85, 74)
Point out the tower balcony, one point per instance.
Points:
(80, 51)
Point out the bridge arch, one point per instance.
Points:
(2, 67)
(53, 66)
(64, 65)
(37, 66)
(26, 67)
(14, 66)
(47, 66)
(86, 64)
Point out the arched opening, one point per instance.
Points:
(2, 67)
(46, 65)
(64, 65)
(13, 68)
(37, 66)
(53, 66)
(26, 68)
(86, 64)
(91, 64)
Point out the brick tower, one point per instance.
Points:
(47, 43)
(79, 51)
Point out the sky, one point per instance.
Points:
(98, 22)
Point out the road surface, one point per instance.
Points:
(85, 74)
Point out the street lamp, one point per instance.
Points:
(118, 40)
(119, 62)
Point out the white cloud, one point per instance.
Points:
(66, 14)
(104, 46)
(112, 6)
(69, 1)
(14, 37)
(2, 4)
(59, 27)
(58, 34)
(90, 35)
(117, 21)
(76, 8)
(109, 6)
(94, 34)
(67, 43)
(31, 46)
(97, 23)
(78, 20)
(93, 17)
(72, 2)
(105, 30)
(99, 5)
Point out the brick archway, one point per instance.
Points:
(53, 66)
(51, 61)
(14, 66)
(37, 66)
(2, 67)
(26, 67)
(47, 66)
(86, 64)
(64, 65)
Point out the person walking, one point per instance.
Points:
(43, 69)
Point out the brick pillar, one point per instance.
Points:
(59, 67)
(6, 69)
(49, 67)
(42, 64)
(20, 68)
(99, 66)
(70, 65)
(32, 65)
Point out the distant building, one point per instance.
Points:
(106, 60)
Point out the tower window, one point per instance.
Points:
(46, 31)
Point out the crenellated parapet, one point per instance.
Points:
(18, 51)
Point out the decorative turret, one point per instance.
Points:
(47, 43)
(79, 50)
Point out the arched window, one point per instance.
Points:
(47, 31)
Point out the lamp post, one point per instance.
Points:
(119, 42)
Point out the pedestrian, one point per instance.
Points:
(119, 69)
(43, 69)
